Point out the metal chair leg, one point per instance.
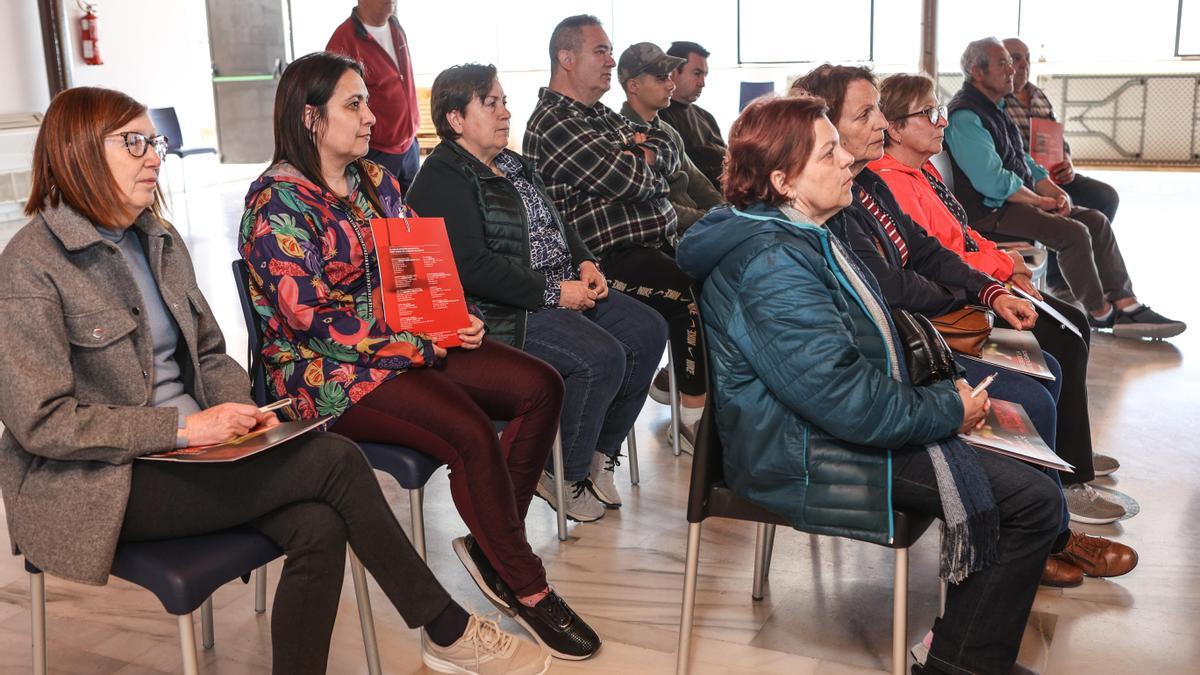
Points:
(260, 590)
(366, 618)
(900, 614)
(943, 589)
(764, 538)
(37, 614)
(416, 505)
(631, 447)
(673, 389)
(187, 645)
(687, 615)
(560, 490)
(768, 551)
(208, 639)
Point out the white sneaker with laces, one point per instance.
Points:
(582, 505)
(486, 650)
(603, 479)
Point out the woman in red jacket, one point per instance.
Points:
(916, 124)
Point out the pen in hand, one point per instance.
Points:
(285, 402)
(987, 381)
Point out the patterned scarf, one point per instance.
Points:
(956, 209)
(970, 518)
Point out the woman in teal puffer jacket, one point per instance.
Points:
(813, 401)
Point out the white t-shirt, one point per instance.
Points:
(383, 35)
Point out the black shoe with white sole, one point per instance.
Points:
(559, 628)
(484, 575)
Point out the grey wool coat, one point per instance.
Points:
(76, 380)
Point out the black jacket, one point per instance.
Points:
(489, 232)
(935, 280)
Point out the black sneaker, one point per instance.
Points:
(485, 576)
(1145, 322)
(559, 628)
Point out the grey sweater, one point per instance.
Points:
(166, 375)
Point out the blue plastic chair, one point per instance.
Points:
(182, 573)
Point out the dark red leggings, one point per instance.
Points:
(446, 411)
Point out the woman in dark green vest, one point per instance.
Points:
(537, 284)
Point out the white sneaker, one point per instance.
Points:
(687, 436)
(582, 505)
(603, 479)
(487, 650)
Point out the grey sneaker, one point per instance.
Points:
(1086, 505)
(660, 387)
(487, 650)
(582, 505)
(602, 477)
(1103, 464)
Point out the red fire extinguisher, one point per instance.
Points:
(89, 37)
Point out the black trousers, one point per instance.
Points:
(980, 631)
(1073, 429)
(310, 496)
(651, 276)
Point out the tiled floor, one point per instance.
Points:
(828, 606)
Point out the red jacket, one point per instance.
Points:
(393, 94)
(918, 199)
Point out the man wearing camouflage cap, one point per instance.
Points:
(645, 73)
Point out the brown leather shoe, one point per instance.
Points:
(1097, 556)
(1061, 574)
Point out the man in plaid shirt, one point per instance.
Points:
(608, 177)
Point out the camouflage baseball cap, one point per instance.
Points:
(645, 57)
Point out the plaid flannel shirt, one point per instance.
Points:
(1039, 107)
(611, 195)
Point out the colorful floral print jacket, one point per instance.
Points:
(307, 254)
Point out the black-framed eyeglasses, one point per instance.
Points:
(933, 113)
(136, 143)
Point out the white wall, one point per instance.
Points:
(22, 68)
(157, 52)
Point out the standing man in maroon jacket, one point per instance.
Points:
(373, 36)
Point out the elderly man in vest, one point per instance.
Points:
(1006, 193)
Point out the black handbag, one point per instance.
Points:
(926, 353)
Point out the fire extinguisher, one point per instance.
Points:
(89, 36)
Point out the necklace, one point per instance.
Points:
(356, 226)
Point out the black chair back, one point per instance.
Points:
(254, 335)
(167, 123)
(708, 495)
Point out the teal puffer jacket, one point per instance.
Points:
(805, 406)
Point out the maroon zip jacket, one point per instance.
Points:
(393, 94)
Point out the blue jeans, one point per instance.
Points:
(607, 357)
(403, 166)
(980, 632)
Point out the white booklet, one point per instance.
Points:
(1016, 350)
(1044, 306)
(1009, 431)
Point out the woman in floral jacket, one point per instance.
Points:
(306, 240)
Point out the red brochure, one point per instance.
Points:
(1046, 142)
(419, 281)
